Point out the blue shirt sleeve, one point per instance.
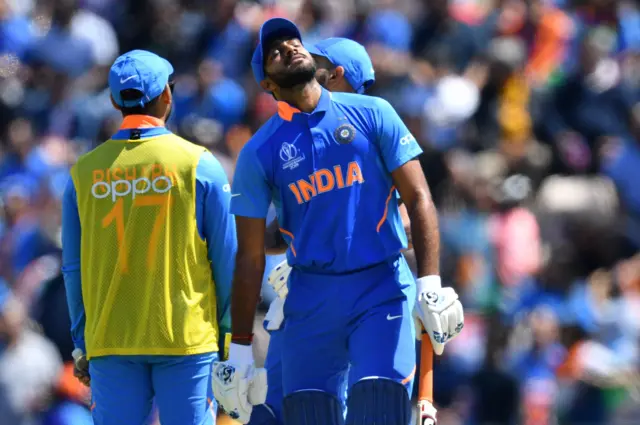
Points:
(217, 227)
(251, 193)
(397, 144)
(71, 264)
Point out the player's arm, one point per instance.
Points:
(438, 308)
(250, 199)
(218, 228)
(274, 243)
(71, 233)
(71, 248)
(423, 227)
(399, 152)
(406, 223)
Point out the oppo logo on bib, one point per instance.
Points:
(121, 188)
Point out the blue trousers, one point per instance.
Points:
(359, 323)
(124, 387)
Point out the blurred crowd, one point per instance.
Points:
(528, 112)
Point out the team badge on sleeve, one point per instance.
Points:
(345, 133)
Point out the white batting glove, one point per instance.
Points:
(278, 279)
(427, 413)
(237, 384)
(275, 315)
(438, 311)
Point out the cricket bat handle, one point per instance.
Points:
(425, 382)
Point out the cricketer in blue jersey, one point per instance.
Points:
(331, 164)
(124, 386)
(343, 65)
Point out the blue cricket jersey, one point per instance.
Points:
(328, 173)
(214, 222)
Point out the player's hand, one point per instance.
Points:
(427, 413)
(275, 316)
(81, 367)
(278, 279)
(438, 311)
(237, 384)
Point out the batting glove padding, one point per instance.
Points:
(278, 279)
(237, 384)
(438, 311)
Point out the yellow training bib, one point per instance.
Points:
(146, 279)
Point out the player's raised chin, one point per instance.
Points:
(287, 64)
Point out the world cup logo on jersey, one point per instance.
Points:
(345, 133)
(290, 156)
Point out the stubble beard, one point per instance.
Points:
(297, 77)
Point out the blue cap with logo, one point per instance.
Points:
(352, 56)
(139, 70)
(274, 27)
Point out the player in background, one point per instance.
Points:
(343, 65)
(331, 164)
(148, 254)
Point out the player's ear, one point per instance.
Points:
(113, 102)
(268, 85)
(166, 96)
(338, 73)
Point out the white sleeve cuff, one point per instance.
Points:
(240, 355)
(428, 284)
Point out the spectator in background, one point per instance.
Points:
(23, 241)
(535, 364)
(314, 22)
(207, 106)
(29, 365)
(591, 106)
(502, 120)
(438, 30)
(226, 39)
(496, 395)
(15, 34)
(60, 49)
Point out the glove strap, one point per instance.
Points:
(428, 284)
(240, 355)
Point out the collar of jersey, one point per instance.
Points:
(147, 126)
(286, 111)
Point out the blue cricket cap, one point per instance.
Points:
(139, 70)
(352, 56)
(271, 29)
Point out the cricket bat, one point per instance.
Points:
(425, 380)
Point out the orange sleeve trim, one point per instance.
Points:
(288, 233)
(406, 380)
(141, 121)
(386, 209)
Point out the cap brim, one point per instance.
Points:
(314, 50)
(169, 67)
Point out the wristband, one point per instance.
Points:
(429, 283)
(242, 338)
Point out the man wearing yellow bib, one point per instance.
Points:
(149, 247)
